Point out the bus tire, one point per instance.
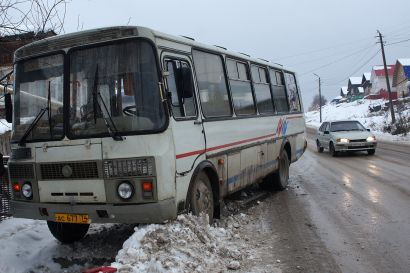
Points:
(200, 196)
(281, 176)
(67, 233)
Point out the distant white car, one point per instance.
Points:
(345, 136)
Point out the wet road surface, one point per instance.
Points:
(350, 213)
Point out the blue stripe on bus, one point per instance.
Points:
(249, 170)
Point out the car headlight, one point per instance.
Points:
(27, 190)
(371, 139)
(342, 140)
(125, 190)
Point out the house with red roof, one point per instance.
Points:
(378, 81)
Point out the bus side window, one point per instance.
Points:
(262, 90)
(241, 89)
(293, 96)
(213, 91)
(179, 79)
(278, 91)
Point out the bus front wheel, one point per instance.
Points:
(200, 196)
(67, 233)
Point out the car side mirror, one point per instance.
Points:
(368, 130)
(326, 132)
(8, 107)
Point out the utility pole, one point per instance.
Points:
(320, 98)
(393, 118)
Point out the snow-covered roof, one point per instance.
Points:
(379, 70)
(367, 76)
(344, 90)
(404, 62)
(355, 80)
(338, 98)
(361, 89)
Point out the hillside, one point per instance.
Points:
(378, 122)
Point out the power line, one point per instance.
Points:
(335, 61)
(399, 42)
(321, 49)
(361, 66)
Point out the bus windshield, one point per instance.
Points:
(118, 82)
(39, 86)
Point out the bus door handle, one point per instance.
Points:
(197, 122)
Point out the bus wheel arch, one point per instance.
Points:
(205, 168)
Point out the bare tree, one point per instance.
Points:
(22, 16)
(315, 103)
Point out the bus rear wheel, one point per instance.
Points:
(200, 196)
(67, 233)
(279, 179)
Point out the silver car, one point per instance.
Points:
(345, 136)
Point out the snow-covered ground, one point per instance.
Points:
(359, 110)
(187, 244)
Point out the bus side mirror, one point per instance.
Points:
(187, 83)
(9, 107)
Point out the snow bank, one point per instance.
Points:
(4, 126)
(359, 110)
(26, 246)
(187, 244)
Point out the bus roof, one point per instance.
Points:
(93, 36)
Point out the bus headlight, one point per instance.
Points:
(27, 190)
(125, 190)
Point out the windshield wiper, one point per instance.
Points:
(112, 129)
(40, 114)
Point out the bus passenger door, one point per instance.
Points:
(186, 122)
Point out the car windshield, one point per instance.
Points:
(346, 126)
(39, 85)
(118, 82)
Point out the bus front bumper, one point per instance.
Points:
(100, 213)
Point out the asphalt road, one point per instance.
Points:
(350, 213)
(359, 205)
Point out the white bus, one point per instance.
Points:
(131, 125)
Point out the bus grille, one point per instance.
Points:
(5, 196)
(79, 170)
(25, 171)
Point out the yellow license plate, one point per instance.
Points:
(72, 218)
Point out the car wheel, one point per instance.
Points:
(67, 233)
(319, 149)
(332, 149)
(200, 197)
(371, 152)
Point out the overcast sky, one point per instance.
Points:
(334, 39)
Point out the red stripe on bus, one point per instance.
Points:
(221, 146)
